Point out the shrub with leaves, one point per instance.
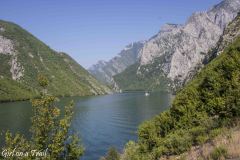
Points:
(219, 153)
(112, 154)
(49, 130)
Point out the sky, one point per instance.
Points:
(92, 30)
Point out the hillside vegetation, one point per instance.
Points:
(208, 103)
(31, 57)
(224, 146)
(148, 80)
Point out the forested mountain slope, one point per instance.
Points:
(23, 57)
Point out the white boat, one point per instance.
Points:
(147, 93)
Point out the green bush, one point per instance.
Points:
(219, 153)
(201, 139)
(147, 136)
(215, 132)
(177, 142)
(132, 152)
(112, 154)
(199, 135)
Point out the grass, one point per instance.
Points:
(224, 146)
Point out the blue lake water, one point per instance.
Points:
(101, 121)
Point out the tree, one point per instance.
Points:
(49, 131)
(112, 154)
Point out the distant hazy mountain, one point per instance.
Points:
(178, 51)
(23, 57)
(104, 71)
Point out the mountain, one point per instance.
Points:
(104, 71)
(149, 80)
(178, 51)
(202, 113)
(23, 57)
(230, 34)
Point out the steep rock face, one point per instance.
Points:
(184, 47)
(230, 34)
(23, 57)
(160, 43)
(6, 45)
(7, 48)
(104, 71)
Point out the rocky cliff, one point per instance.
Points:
(230, 34)
(104, 71)
(177, 52)
(183, 47)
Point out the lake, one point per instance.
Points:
(101, 121)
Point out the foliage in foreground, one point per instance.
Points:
(209, 102)
(50, 132)
(219, 153)
(111, 155)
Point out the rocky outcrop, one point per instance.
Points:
(6, 45)
(230, 34)
(16, 69)
(7, 48)
(104, 71)
(184, 47)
